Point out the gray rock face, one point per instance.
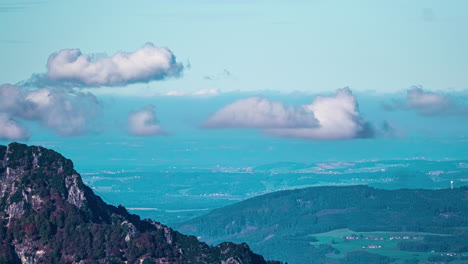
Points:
(47, 215)
(76, 196)
(15, 210)
(18, 164)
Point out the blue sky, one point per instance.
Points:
(404, 61)
(266, 45)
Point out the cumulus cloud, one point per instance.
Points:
(10, 97)
(258, 112)
(327, 117)
(70, 67)
(427, 103)
(64, 111)
(10, 129)
(144, 123)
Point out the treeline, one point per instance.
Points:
(269, 222)
(457, 243)
(321, 209)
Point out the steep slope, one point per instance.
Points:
(282, 224)
(47, 215)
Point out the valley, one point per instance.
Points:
(176, 194)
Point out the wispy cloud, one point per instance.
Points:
(144, 123)
(222, 75)
(427, 103)
(18, 5)
(199, 93)
(72, 68)
(327, 117)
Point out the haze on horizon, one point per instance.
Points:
(235, 82)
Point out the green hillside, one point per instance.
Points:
(425, 225)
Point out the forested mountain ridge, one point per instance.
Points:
(282, 224)
(47, 215)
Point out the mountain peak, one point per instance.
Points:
(47, 214)
(31, 173)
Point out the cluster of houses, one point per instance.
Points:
(403, 237)
(352, 237)
(373, 246)
(355, 237)
(376, 238)
(446, 254)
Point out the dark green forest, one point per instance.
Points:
(282, 224)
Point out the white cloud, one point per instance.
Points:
(66, 112)
(42, 98)
(332, 117)
(70, 67)
(199, 93)
(206, 92)
(175, 93)
(144, 123)
(427, 103)
(10, 97)
(10, 129)
(259, 112)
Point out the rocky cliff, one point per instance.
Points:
(47, 215)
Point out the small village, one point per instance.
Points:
(377, 238)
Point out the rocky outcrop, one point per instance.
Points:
(75, 195)
(47, 215)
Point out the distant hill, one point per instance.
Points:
(47, 215)
(282, 224)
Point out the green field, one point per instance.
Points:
(388, 246)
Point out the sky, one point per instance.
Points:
(235, 82)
